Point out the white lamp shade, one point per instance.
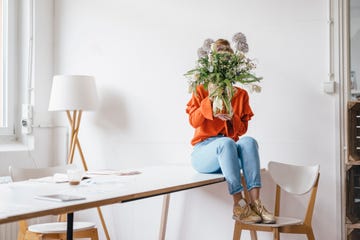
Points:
(73, 92)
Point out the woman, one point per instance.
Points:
(217, 147)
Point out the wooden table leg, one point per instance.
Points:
(164, 215)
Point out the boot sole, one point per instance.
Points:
(269, 222)
(246, 222)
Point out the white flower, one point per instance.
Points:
(207, 44)
(211, 68)
(240, 68)
(210, 57)
(213, 47)
(241, 46)
(239, 37)
(254, 88)
(202, 53)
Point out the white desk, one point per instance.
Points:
(18, 201)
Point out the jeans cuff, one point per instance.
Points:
(239, 189)
(256, 185)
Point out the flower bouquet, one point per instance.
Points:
(218, 70)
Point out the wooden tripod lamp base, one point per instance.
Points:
(75, 93)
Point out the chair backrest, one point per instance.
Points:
(294, 179)
(21, 174)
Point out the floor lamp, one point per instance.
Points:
(75, 94)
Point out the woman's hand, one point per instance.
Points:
(224, 117)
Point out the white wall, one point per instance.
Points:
(138, 52)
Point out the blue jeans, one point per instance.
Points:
(223, 155)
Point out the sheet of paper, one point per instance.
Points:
(111, 172)
(60, 197)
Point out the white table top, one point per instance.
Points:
(17, 200)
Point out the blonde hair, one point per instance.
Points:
(223, 45)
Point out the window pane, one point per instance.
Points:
(8, 66)
(1, 66)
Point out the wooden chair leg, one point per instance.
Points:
(310, 234)
(62, 218)
(33, 236)
(62, 236)
(90, 233)
(237, 231)
(22, 230)
(276, 234)
(94, 235)
(253, 235)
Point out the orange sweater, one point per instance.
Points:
(201, 117)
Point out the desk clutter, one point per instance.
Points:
(64, 177)
(105, 179)
(61, 187)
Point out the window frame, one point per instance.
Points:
(10, 55)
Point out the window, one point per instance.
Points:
(8, 55)
(2, 121)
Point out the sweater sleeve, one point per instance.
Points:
(199, 108)
(242, 114)
(247, 112)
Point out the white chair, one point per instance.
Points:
(292, 179)
(54, 230)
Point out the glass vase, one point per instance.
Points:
(222, 107)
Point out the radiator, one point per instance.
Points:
(8, 231)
